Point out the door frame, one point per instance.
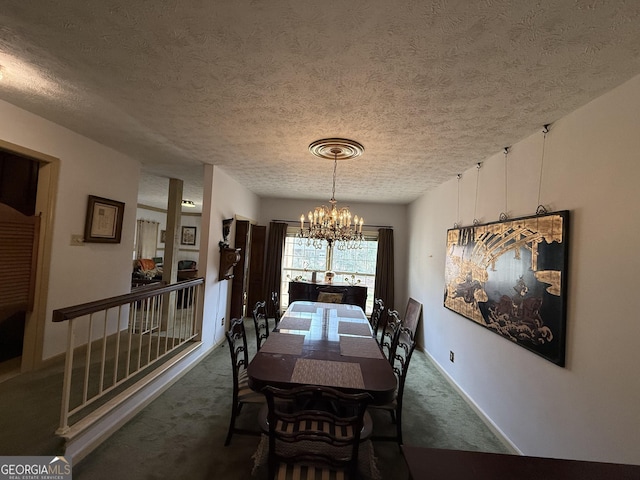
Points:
(48, 174)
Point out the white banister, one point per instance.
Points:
(141, 346)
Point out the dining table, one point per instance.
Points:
(327, 344)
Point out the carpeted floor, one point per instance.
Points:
(181, 434)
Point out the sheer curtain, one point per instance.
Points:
(384, 287)
(273, 272)
(146, 238)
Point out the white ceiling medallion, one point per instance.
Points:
(333, 224)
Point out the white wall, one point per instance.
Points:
(375, 214)
(224, 198)
(185, 252)
(94, 270)
(189, 252)
(151, 215)
(588, 410)
(591, 408)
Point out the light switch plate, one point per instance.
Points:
(77, 240)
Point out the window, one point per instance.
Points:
(300, 260)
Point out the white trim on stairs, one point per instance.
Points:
(96, 428)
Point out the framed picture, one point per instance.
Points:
(511, 277)
(188, 236)
(163, 236)
(104, 220)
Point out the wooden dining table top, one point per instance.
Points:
(324, 344)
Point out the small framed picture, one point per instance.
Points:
(103, 223)
(163, 236)
(188, 236)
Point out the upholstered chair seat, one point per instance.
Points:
(314, 432)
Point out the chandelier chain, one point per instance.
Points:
(335, 167)
(333, 224)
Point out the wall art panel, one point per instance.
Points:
(510, 277)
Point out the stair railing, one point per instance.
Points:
(116, 343)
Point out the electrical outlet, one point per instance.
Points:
(451, 356)
(77, 240)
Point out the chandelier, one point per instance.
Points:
(333, 224)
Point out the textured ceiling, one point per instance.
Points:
(428, 87)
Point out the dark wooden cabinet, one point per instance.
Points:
(353, 294)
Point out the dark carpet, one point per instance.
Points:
(180, 435)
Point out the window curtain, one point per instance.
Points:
(384, 286)
(146, 238)
(273, 272)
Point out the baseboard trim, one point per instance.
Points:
(483, 416)
(81, 444)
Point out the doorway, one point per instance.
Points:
(28, 182)
(247, 285)
(18, 241)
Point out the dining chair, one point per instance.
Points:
(187, 264)
(275, 305)
(330, 297)
(376, 316)
(331, 294)
(403, 350)
(389, 334)
(314, 432)
(412, 315)
(237, 341)
(261, 323)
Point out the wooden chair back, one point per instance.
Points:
(314, 426)
(389, 334)
(237, 341)
(275, 305)
(376, 316)
(331, 294)
(402, 351)
(260, 323)
(412, 315)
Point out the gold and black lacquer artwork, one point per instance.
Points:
(511, 277)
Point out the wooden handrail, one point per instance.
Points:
(69, 313)
(120, 338)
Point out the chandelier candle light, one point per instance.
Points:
(333, 224)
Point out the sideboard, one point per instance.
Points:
(353, 294)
